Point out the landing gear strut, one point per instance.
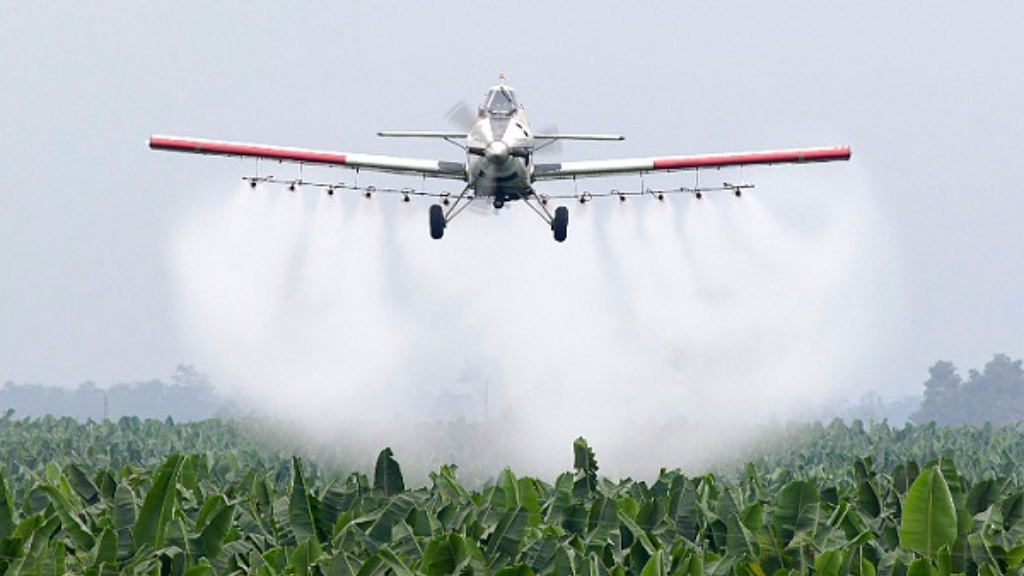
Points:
(559, 221)
(439, 217)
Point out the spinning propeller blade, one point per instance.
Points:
(461, 115)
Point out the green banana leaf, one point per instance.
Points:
(158, 505)
(929, 519)
(387, 474)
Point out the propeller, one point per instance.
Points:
(462, 115)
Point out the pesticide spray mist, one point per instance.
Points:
(660, 331)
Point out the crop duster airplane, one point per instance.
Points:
(500, 145)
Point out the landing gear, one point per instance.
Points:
(437, 222)
(560, 223)
(441, 215)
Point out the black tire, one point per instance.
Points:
(437, 222)
(560, 225)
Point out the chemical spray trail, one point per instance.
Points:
(679, 319)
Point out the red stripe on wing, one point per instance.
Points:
(767, 157)
(198, 146)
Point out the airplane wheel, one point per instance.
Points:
(437, 222)
(560, 225)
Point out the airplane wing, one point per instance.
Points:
(585, 137)
(431, 168)
(555, 171)
(422, 134)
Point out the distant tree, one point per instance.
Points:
(940, 395)
(189, 396)
(993, 395)
(186, 376)
(873, 407)
(869, 409)
(996, 391)
(89, 400)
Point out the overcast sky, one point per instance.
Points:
(928, 94)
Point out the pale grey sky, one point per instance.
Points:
(928, 94)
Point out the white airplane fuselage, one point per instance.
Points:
(500, 147)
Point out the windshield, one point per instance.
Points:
(500, 101)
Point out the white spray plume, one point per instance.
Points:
(681, 319)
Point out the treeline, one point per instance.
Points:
(995, 394)
(187, 396)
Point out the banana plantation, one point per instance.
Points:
(151, 497)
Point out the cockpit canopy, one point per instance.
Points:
(500, 101)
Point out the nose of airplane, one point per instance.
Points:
(497, 152)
